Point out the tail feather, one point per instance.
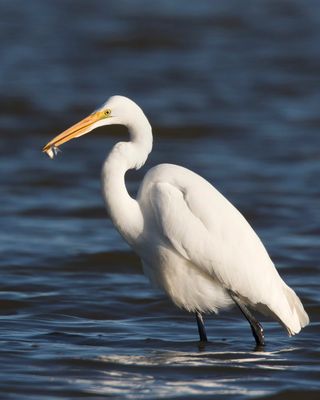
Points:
(298, 318)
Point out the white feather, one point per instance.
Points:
(194, 244)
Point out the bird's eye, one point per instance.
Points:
(107, 112)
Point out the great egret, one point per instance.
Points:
(193, 244)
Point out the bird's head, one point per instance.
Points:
(116, 110)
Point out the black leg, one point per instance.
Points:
(201, 328)
(256, 327)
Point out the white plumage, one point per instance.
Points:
(193, 243)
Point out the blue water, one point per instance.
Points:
(232, 92)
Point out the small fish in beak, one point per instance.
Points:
(53, 151)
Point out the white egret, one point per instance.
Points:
(193, 243)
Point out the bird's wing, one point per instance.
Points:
(203, 227)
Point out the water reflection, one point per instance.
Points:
(213, 369)
(148, 387)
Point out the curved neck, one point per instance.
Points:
(123, 210)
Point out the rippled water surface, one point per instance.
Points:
(232, 91)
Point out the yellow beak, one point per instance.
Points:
(79, 129)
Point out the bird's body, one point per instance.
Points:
(193, 243)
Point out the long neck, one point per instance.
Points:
(125, 211)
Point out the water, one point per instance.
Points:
(232, 91)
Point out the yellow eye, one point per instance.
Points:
(107, 112)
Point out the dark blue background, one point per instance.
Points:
(232, 90)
